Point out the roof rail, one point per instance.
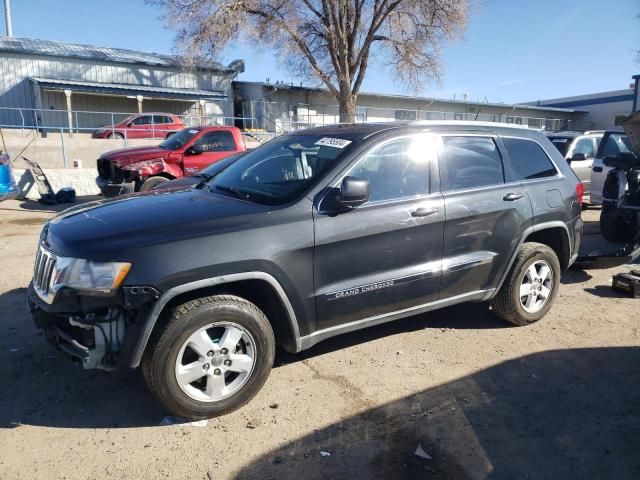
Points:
(471, 123)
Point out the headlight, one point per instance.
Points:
(90, 276)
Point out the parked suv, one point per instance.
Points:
(316, 233)
(183, 154)
(144, 125)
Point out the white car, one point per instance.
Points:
(613, 143)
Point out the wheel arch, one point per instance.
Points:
(259, 288)
(553, 234)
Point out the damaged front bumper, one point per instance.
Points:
(96, 331)
(110, 189)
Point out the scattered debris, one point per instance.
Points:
(399, 352)
(251, 424)
(325, 454)
(181, 421)
(421, 453)
(274, 406)
(209, 474)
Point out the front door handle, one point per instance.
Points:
(512, 197)
(423, 212)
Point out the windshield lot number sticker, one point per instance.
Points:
(332, 142)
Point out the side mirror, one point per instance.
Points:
(578, 157)
(195, 149)
(353, 192)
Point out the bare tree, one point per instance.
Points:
(331, 40)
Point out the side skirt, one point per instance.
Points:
(309, 341)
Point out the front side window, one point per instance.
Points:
(528, 159)
(217, 141)
(398, 169)
(585, 145)
(469, 162)
(282, 169)
(142, 120)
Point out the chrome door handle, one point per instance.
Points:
(512, 197)
(423, 212)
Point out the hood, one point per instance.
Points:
(631, 126)
(104, 230)
(135, 154)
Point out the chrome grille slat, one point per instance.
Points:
(44, 266)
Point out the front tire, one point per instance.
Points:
(531, 286)
(210, 357)
(115, 136)
(152, 182)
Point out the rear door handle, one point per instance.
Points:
(597, 169)
(423, 212)
(512, 197)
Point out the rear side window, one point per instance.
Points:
(528, 159)
(469, 162)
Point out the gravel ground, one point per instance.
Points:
(558, 399)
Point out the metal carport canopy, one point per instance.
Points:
(121, 89)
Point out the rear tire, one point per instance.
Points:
(523, 299)
(151, 182)
(164, 367)
(613, 227)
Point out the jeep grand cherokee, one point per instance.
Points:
(313, 234)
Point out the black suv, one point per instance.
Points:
(313, 234)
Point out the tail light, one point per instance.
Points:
(579, 192)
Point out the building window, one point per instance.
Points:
(361, 114)
(617, 119)
(405, 115)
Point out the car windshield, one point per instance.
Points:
(279, 171)
(216, 167)
(179, 139)
(561, 143)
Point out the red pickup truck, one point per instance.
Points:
(182, 154)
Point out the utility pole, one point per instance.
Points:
(7, 17)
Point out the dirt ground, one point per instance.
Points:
(558, 399)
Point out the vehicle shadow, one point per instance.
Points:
(36, 206)
(605, 291)
(556, 414)
(47, 389)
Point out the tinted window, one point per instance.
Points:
(142, 120)
(469, 162)
(586, 146)
(561, 143)
(615, 144)
(158, 119)
(528, 159)
(398, 169)
(217, 141)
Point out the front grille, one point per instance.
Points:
(42, 273)
(104, 168)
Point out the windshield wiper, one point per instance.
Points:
(233, 190)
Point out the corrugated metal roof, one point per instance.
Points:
(285, 86)
(124, 89)
(105, 54)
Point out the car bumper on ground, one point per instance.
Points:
(111, 189)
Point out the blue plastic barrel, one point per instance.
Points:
(7, 183)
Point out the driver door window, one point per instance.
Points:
(221, 141)
(585, 145)
(398, 169)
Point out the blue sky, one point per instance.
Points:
(513, 50)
